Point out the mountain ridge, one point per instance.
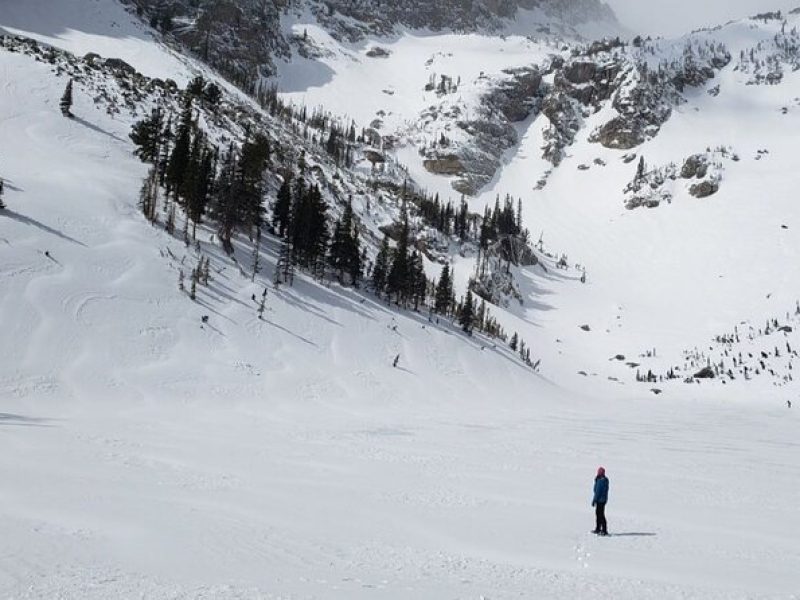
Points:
(244, 37)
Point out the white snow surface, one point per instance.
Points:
(148, 455)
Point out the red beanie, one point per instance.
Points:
(601, 472)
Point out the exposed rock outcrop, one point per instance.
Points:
(518, 97)
(565, 122)
(644, 97)
(511, 99)
(703, 172)
(705, 373)
(449, 164)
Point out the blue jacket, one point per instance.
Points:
(601, 490)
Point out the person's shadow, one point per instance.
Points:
(633, 534)
(33, 222)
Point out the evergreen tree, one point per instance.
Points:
(179, 158)
(282, 210)
(66, 101)
(284, 269)
(444, 292)
(398, 280)
(167, 138)
(514, 342)
(190, 185)
(2, 190)
(462, 220)
(198, 197)
(352, 249)
(146, 135)
(195, 87)
(148, 197)
(250, 175)
(345, 251)
(332, 145)
(309, 231)
(212, 95)
(336, 258)
(256, 254)
(467, 317)
(165, 22)
(224, 202)
(169, 226)
(480, 316)
(355, 257)
(419, 281)
(238, 191)
(381, 268)
(485, 233)
(319, 235)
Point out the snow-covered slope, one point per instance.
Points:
(146, 453)
(673, 278)
(104, 28)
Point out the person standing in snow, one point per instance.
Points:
(599, 502)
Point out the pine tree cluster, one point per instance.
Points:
(345, 256)
(300, 217)
(194, 175)
(190, 177)
(446, 219)
(399, 273)
(500, 222)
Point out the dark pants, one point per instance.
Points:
(600, 515)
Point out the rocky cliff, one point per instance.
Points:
(242, 37)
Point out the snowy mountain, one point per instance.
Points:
(243, 38)
(198, 402)
(584, 133)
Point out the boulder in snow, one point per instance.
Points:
(705, 373)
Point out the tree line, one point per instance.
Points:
(190, 176)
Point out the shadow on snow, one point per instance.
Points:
(14, 216)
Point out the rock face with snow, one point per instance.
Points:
(383, 17)
(243, 37)
(239, 37)
(567, 91)
(700, 175)
(490, 132)
(644, 97)
(517, 97)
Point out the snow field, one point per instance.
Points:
(146, 454)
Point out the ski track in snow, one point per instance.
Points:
(148, 455)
